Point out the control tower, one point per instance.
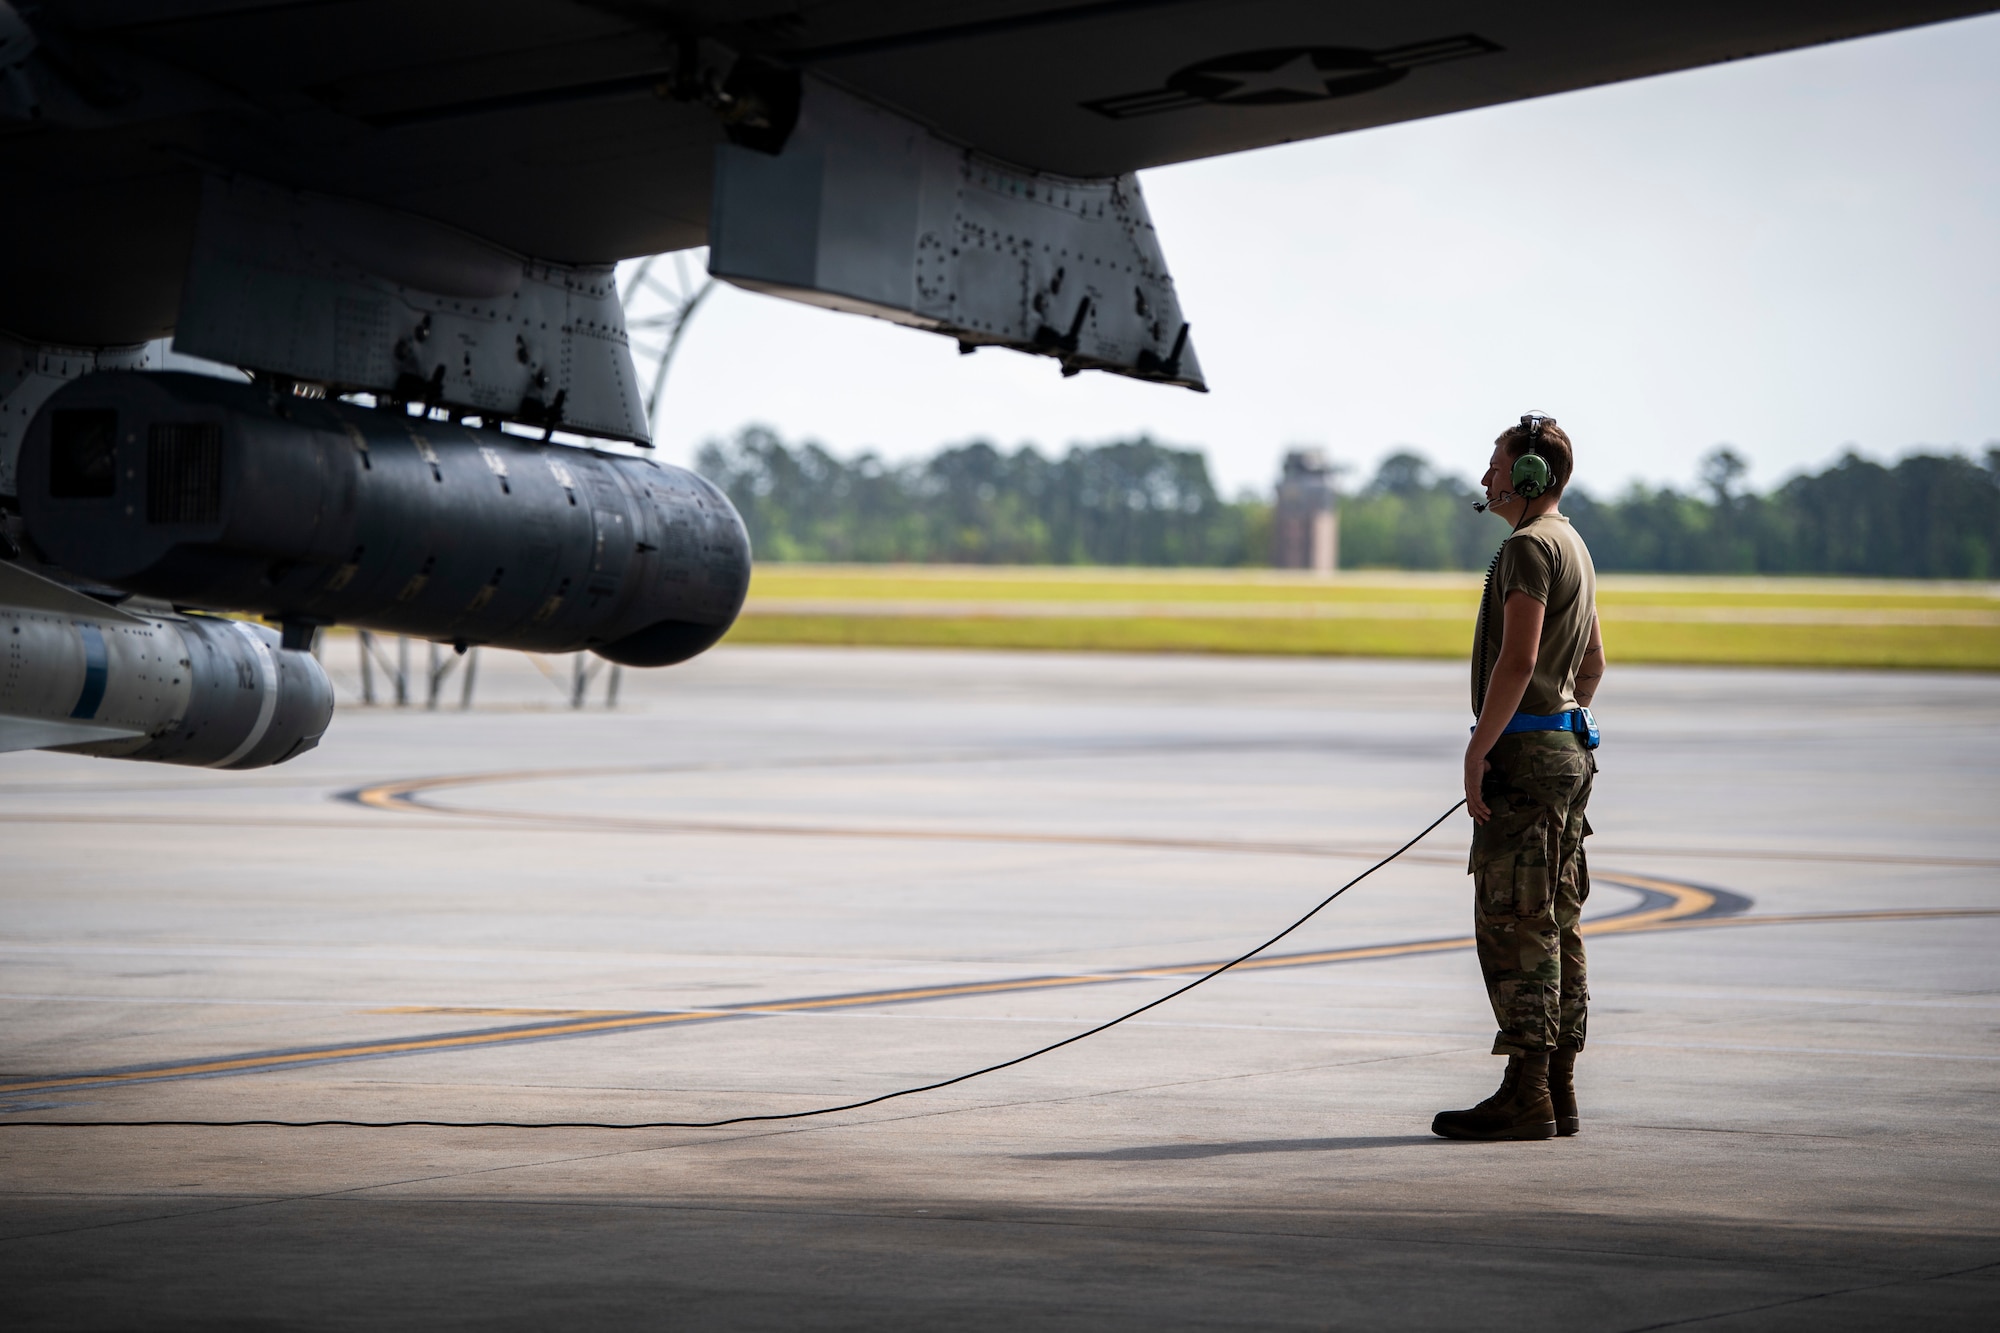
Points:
(1305, 528)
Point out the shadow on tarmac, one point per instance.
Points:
(1169, 1152)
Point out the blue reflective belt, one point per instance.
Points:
(1576, 720)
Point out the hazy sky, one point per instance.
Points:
(1792, 255)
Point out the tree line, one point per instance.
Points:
(1132, 502)
(1142, 502)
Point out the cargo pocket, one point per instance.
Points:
(1531, 890)
(1494, 878)
(1513, 816)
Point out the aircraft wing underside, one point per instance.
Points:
(584, 131)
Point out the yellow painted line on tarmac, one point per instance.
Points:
(504, 1036)
(1683, 909)
(1686, 901)
(531, 821)
(399, 797)
(1671, 917)
(1819, 918)
(396, 797)
(1689, 900)
(279, 1059)
(483, 1009)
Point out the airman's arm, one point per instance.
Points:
(1591, 670)
(1520, 645)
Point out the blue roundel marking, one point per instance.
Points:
(95, 672)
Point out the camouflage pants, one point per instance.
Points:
(1531, 880)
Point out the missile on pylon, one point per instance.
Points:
(83, 677)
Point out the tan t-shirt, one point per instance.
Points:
(1547, 560)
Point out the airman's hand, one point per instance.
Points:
(1476, 769)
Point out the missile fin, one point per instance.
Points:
(36, 733)
(31, 592)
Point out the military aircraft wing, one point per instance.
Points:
(1095, 89)
(401, 220)
(583, 131)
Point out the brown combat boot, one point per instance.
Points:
(1519, 1110)
(1562, 1090)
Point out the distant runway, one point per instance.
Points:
(781, 878)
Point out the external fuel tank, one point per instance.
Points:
(238, 497)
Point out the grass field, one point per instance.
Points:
(1719, 621)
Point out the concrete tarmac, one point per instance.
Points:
(775, 879)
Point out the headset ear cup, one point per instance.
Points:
(1531, 476)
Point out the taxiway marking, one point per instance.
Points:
(1662, 902)
(1685, 910)
(405, 796)
(1664, 905)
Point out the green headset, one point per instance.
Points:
(1532, 475)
